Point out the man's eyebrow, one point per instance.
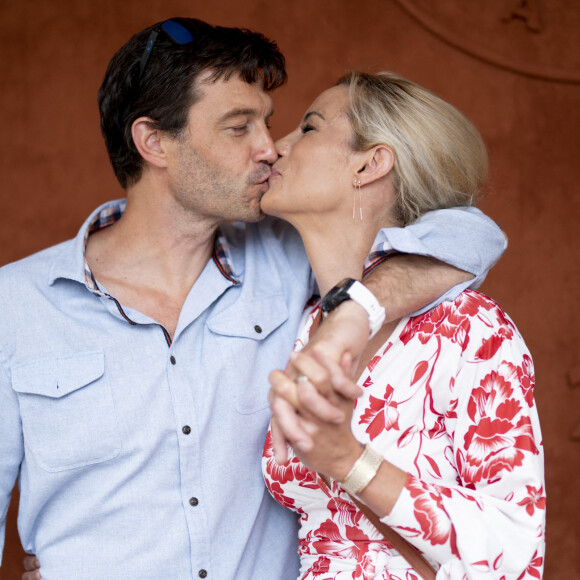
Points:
(311, 113)
(241, 112)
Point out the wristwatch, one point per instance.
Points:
(350, 289)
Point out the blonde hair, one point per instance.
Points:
(440, 157)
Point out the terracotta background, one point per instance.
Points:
(54, 169)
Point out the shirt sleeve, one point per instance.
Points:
(463, 237)
(11, 448)
(492, 523)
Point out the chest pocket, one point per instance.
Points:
(67, 410)
(252, 341)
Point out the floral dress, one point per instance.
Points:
(448, 398)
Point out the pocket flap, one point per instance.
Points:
(58, 376)
(256, 320)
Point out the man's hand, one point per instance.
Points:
(327, 363)
(32, 567)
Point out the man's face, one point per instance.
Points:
(222, 160)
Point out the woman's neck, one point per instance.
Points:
(337, 250)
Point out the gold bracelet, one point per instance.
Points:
(362, 472)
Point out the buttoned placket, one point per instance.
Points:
(189, 458)
(188, 435)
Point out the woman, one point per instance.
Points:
(453, 451)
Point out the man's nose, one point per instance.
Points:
(266, 151)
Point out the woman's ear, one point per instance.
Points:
(380, 159)
(149, 141)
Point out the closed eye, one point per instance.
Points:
(306, 128)
(239, 129)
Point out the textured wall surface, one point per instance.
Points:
(511, 66)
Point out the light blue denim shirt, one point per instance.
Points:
(138, 456)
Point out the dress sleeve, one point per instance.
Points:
(463, 237)
(492, 523)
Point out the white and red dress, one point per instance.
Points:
(448, 398)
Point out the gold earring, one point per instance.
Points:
(357, 193)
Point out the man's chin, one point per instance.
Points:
(253, 212)
(257, 218)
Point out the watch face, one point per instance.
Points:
(336, 295)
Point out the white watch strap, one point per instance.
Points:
(365, 298)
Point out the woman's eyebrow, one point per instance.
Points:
(311, 113)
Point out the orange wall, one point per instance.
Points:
(55, 171)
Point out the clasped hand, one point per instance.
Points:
(313, 414)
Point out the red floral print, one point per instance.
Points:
(534, 570)
(449, 399)
(536, 499)
(433, 519)
(442, 321)
(321, 565)
(382, 414)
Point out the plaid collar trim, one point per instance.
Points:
(374, 259)
(222, 257)
(112, 213)
(105, 218)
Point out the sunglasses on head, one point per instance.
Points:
(177, 32)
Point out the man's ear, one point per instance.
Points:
(149, 141)
(379, 160)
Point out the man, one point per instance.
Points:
(134, 358)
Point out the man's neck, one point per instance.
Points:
(150, 259)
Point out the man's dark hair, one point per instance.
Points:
(165, 90)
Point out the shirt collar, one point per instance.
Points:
(67, 266)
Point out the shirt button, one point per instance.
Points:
(186, 429)
(202, 573)
(193, 501)
(258, 329)
(172, 359)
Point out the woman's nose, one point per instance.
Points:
(283, 146)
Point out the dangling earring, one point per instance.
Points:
(357, 192)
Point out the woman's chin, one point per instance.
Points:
(268, 205)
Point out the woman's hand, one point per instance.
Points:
(319, 431)
(328, 361)
(341, 339)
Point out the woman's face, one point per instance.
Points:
(315, 172)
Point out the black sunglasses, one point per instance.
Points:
(177, 32)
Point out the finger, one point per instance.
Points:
(31, 562)
(318, 406)
(279, 444)
(305, 364)
(286, 389)
(32, 575)
(347, 364)
(288, 422)
(339, 374)
(283, 387)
